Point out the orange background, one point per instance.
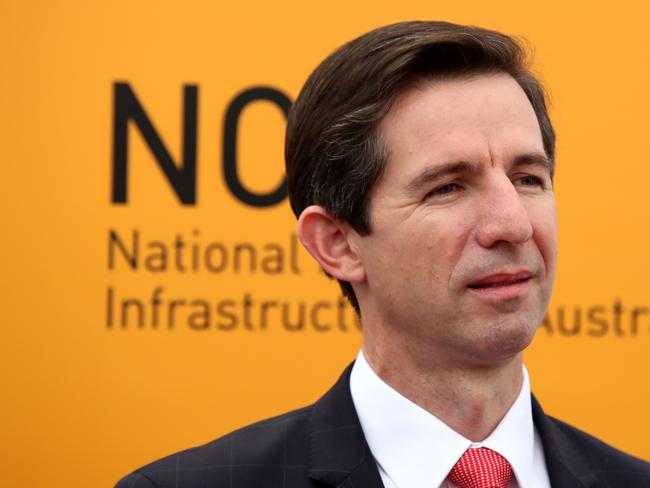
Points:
(83, 405)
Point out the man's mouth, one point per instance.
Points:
(501, 280)
(504, 282)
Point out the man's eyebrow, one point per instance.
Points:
(534, 159)
(431, 175)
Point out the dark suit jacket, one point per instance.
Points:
(323, 445)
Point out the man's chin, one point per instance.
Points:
(503, 340)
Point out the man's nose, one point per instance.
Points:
(503, 216)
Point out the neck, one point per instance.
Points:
(470, 398)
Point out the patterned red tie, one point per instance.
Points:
(481, 468)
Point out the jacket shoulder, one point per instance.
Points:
(260, 454)
(609, 463)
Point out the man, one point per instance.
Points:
(420, 161)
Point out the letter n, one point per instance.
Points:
(182, 177)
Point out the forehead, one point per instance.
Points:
(486, 119)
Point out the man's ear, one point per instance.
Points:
(328, 240)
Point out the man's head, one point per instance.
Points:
(334, 151)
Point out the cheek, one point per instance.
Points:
(445, 243)
(387, 256)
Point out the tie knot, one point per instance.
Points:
(481, 468)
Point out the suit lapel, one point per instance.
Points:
(566, 465)
(339, 453)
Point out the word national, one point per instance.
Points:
(182, 253)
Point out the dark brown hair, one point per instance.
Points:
(333, 153)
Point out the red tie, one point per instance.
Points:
(481, 468)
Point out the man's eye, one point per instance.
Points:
(530, 180)
(443, 190)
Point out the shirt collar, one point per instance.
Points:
(414, 448)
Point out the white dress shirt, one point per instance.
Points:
(414, 449)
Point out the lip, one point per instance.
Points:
(503, 285)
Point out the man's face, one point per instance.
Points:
(461, 254)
